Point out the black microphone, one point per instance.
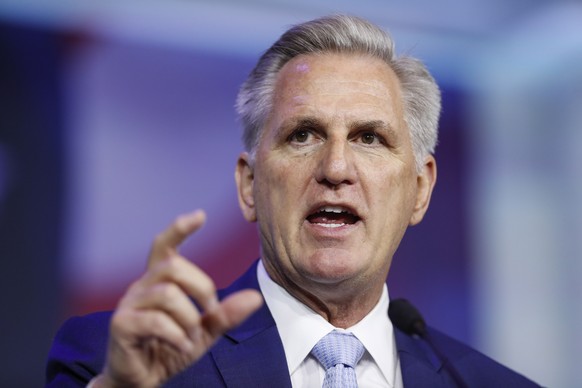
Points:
(408, 319)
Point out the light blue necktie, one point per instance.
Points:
(339, 353)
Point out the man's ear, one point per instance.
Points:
(425, 182)
(244, 177)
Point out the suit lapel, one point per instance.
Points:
(252, 354)
(418, 365)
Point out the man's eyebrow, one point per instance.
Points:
(375, 125)
(307, 122)
(302, 122)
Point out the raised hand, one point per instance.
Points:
(156, 330)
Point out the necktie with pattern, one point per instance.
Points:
(339, 353)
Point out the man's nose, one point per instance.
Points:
(336, 163)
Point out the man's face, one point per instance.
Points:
(333, 185)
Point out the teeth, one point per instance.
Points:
(331, 225)
(333, 209)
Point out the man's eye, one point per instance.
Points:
(300, 136)
(369, 138)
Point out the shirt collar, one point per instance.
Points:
(297, 321)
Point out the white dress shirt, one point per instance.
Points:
(301, 328)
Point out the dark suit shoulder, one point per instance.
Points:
(477, 369)
(78, 350)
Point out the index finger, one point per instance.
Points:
(166, 243)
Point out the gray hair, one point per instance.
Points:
(343, 34)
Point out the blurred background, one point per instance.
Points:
(116, 116)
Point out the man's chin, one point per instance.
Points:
(332, 266)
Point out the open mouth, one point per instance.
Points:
(333, 216)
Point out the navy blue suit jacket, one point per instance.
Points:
(252, 355)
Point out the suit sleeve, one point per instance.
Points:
(78, 351)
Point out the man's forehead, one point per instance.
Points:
(320, 72)
(368, 83)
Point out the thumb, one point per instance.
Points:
(232, 311)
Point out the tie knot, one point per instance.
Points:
(338, 348)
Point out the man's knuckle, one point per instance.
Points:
(172, 265)
(158, 322)
(168, 292)
(159, 239)
(207, 286)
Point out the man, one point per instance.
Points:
(339, 136)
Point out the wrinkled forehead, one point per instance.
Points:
(337, 75)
